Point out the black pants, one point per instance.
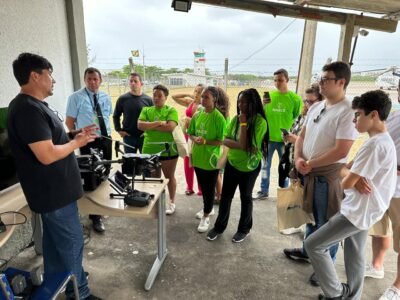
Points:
(208, 181)
(104, 145)
(246, 181)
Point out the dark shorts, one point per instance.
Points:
(168, 157)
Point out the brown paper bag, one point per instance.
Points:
(289, 207)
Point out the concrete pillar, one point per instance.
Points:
(77, 40)
(346, 35)
(307, 56)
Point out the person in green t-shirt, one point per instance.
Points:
(281, 112)
(206, 130)
(245, 138)
(158, 122)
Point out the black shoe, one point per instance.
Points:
(345, 294)
(212, 235)
(92, 297)
(313, 280)
(87, 275)
(98, 225)
(296, 254)
(239, 237)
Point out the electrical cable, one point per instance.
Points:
(15, 213)
(265, 46)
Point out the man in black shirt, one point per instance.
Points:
(47, 168)
(130, 105)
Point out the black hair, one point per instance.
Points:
(373, 100)
(341, 71)
(92, 70)
(27, 63)
(134, 74)
(162, 88)
(254, 107)
(283, 72)
(314, 89)
(221, 99)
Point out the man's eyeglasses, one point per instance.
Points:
(59, 116)
(316, 120)
(324, 80)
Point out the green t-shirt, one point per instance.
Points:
(240, 159)
(151, 114)
(282, 112)
(210, 126)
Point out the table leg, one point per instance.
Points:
(161, 243)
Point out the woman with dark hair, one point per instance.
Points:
(244, 137)
(191, 102)
(206, 130)
(158, 122)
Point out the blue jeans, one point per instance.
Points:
(63, 247)
(133, 141)
(279, 147)
(320, 212)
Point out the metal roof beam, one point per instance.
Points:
(294, 11)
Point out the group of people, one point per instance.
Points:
(314, 140)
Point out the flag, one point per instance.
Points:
(135, 53)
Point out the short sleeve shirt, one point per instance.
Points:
(46, 187)
(375, 162)
(240, 159)
(393, 128)
(210, 126)
(324, 125)
(154, 140)
(81, 107)
(282, 112)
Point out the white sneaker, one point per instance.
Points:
(292, 230)
(199, 214)
(371, 272)
(204, 224)
(391, 293)
(170, 209)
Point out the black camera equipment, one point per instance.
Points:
(93, 169)
(133, 164)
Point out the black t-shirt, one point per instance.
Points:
(130, 106)
(46, 187)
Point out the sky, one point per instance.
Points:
(114, 28)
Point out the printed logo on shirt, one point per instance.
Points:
(279, 108)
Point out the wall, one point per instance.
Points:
(38, 26)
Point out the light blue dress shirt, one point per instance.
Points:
(81, 107)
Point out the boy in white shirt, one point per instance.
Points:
(374, 163)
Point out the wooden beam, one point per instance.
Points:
(307, 57)
(294, 11)
(346, 36)
(378, 7)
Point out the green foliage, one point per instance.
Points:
(363, 78)
(245, 77)
(152, 72)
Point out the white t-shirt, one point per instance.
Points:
(335, 123)
(393, 127)
(374, 161)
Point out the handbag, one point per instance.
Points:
(289, 207)
(180, 141)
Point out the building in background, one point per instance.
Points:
(198, 75)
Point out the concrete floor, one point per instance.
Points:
(120, 259)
